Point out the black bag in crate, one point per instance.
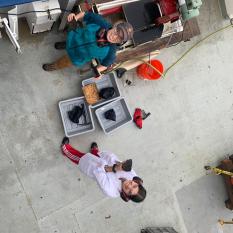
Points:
(110, 115)
(76, 113)
(107, 93)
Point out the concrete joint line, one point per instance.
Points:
(20, 182)
(76, 221)
(67, 206)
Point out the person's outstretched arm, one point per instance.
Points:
(89, 18)
(76, 17)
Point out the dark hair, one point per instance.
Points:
(124, 197)
(140, 196)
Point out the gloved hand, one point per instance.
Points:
(124, 166)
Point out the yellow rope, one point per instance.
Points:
(222, 222)
(195, 45)
(181, 58)
(219, 171)
(178, 60)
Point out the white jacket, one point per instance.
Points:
(109, 182)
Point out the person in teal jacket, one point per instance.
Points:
(97, 39)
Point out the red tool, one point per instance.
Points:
(139, 116)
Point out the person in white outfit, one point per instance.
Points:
(115, 178)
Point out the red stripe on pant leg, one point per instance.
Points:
(95, 152)
(73, 151)
(74, 159)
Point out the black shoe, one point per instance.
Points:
(48, 67)
(65, 140)
(127, 165)
(60, 45)
(94, 145)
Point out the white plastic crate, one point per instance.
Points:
(108, 80)
(72, 129)
(123, 115)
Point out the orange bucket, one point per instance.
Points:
(144, 71)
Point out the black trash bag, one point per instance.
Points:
(110, 115)
(76, 113)
(107, 93)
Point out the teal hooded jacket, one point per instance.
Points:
(82, 46)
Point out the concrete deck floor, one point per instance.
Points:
(191, 125)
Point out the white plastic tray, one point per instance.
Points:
(123, 115)
(72, 129)
(108, 80)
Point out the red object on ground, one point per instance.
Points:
(137, 117)
(146, 72)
